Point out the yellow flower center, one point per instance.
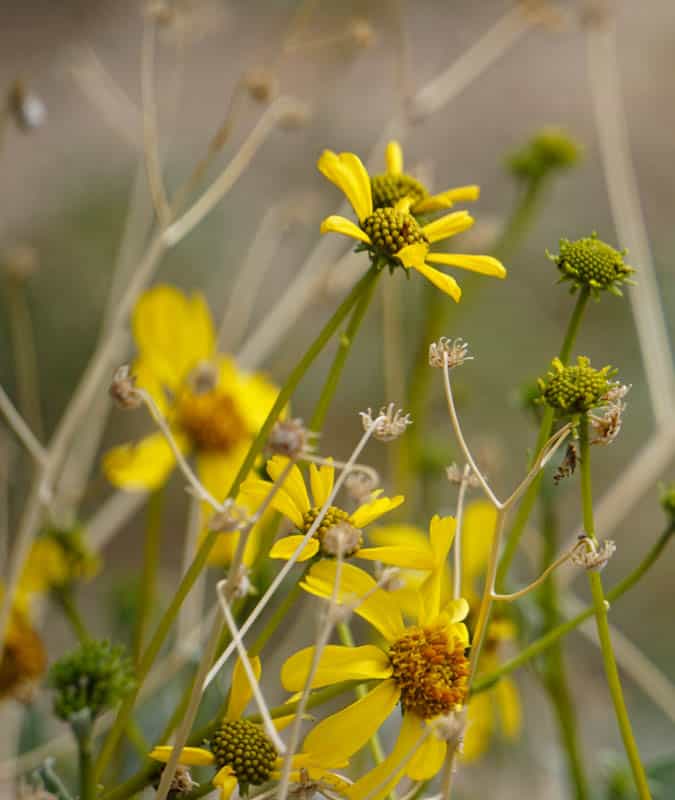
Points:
(389, 189)
(242, 746)
(431, 669)
(23, 661)
(390, 230)
(335, 531)
(210, 418)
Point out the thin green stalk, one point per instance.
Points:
(375, 744)
(542, 644)
(344, 348)
(194, 570)
(530, 497)
(66, 600)
(600, 604)
(520, 221)
(153, 530)
(86, 765)
(554, 673)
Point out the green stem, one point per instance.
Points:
(344, 348)
(600, 604)
(86, 764)
(375, 744)
(519, 222)
(554, 677)
(153, 529)
(530, 497)
(538, 647)
(195, 568)
(67, 602)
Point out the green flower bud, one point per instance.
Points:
(575, 389)
(91, 679)
(551, 150)
(593, 264)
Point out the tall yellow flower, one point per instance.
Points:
(244, 754)
(214, 410)
(498, 709)
(392, 234)
(393, 185)
(422, 666)
(339, 529)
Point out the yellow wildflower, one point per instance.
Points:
(213, 409)
(498, 709)
(392, 234)
(395, 184)
(24, 658)
(339, 529)
(423, 666)
(242, 751)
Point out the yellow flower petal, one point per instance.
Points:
(377, 608)
(217, 469)
(447, 199)
(344, 733)
(144, 465)
(173, 332)
(293, 484)
(428, 759)
(399, 534)
(146, 379)
(441, 534)
(285, 547)
(348, 173)
(190, 756)
(478, 528)
(337, 664)
(398, 556)
(508, 705)
(240, 690)
(226, 782)
(485, 265)
(394, 158)
(338, 224)
(413, 255)
(321, 480)
(441, 281)
(253, 394)
(456, 610)
(379, 782)
(369, 512)
(479, 726)
(447, 226)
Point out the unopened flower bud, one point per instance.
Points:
(550, 150)
(592, 264)
(123, 388)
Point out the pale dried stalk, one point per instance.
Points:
(111, 516)
(288, 566)
(191, 610)
(17, 423)
(457, 541)
(562, 559)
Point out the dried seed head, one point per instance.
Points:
(182, 782)
(450, 728)
(455, 474)
(231, 518)
(28, 110)
(123, 388)
(21, 262)
(591, 556)
(203, 378)
(389, 578)
(456, 351)
(288, 438)
(243, 586)
(261, 84)
(361, 484)
(392, 424)
(362, 32)
(342, 539)
(608, 426)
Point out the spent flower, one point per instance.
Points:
(453, 351)
(392, 422)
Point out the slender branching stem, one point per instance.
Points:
(17, 423)
(148, 587)
(457, 541)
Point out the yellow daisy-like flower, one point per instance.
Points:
(395, 184)
(244, 754)
(422, 666)
(498, 710)
(339, 529)
(213, 409)
(392, 234)
(24, 658)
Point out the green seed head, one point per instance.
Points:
(389, 189)
(390, 230)
(243, 746)
(92, 678)
(550, 150)
(593, 264)
(575, 389)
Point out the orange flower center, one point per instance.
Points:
(431, 669)
(211, 419)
